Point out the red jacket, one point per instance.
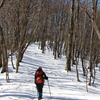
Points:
(40, 76)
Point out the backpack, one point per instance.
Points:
(39, 76)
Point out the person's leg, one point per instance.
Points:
(41, 91)
(38, 90)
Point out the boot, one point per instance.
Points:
(39, 98)
(39, 95)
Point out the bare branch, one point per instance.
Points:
(93, 21)
(2, 3)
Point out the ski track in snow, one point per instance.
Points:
(62, 85)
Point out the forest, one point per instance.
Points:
(67, 27)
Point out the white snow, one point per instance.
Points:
(62, 85)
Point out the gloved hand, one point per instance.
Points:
(46, 78)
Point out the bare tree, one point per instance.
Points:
(3, 50)
(70, 37)
(93, 21)
(4, 55)
(91, 65)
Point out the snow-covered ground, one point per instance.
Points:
(61, 85)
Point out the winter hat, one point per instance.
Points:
(40, 68)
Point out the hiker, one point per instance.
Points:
(39, 81)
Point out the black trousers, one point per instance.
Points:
(39, 87)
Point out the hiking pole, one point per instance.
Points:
(49, 88)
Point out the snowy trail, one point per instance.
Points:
(63, 85)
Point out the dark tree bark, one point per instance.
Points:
(4, 55)
(70, 39)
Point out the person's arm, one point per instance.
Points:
(44, 76)
(35, 78)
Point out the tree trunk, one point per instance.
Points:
(0, 58)
(83, 45)
(77, 74)
(70, 39)
(4, 55)
(83, 67)
(94, 6)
